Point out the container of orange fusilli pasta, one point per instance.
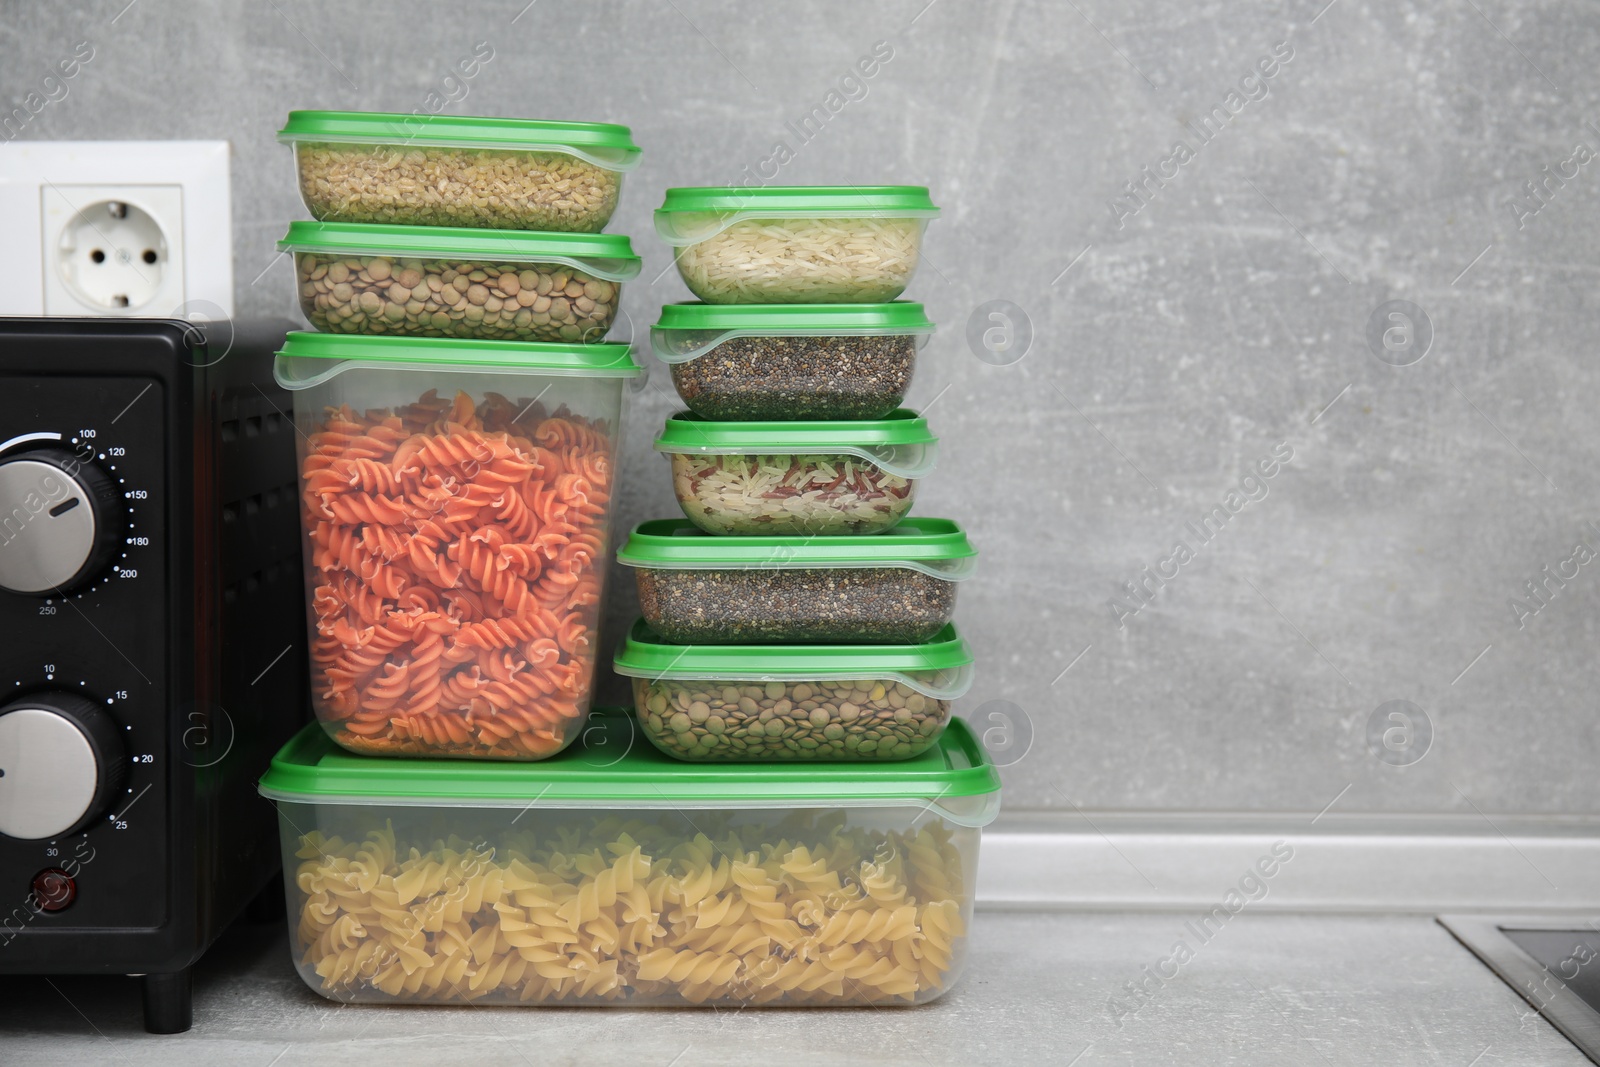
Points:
(614, 875)
(456, 498)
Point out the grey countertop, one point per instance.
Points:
(1267, 989)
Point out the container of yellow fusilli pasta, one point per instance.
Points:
(612, 874)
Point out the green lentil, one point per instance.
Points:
(452, 298)
(844, 720)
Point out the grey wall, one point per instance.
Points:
(1216, 323)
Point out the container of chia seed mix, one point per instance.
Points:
(791, 361)
(897, 587)
(744, 703)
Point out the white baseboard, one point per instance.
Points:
(1127, 861)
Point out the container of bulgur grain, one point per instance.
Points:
(800, 244)
(841, 477)
(794, 702)
(450, 170)
(444, 281)
(791, 361)
(896, 588)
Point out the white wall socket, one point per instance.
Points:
(116, 228)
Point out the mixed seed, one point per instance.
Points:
(724, 607)
(782, 378)
(832, 720)
(454, 298)
(431, 186)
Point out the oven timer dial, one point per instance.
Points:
(62, 762)
(59, 520)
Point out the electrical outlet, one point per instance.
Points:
(116, 228)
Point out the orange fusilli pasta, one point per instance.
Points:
(456, 553)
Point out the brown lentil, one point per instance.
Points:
(892, 605)
(784, 378)
(816, 720)
(434, 186)
(454, 298)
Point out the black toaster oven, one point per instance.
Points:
(152, 651)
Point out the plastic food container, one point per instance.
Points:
(854, 477)
(612, 875)
(801, 244)
(456, 497)
(434, 281)
(791, 361)
(896, 588)
(794, 702)
(449, 170)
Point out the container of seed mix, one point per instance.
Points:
(452, 170)
(897, 587)
(856, 476)
(447, 281)
(791, 361)
(794, 702)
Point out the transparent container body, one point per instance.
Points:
(835, 493)
(494, 301)
(795, 260)
(726, 720)
(456, 529)
(775, 604)
(777, 378)
(429, 185)
(835, 906)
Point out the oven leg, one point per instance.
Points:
(168, 1002)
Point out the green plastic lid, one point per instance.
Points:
(940, 667)
(693, 214)
(604, 255)
(307, 359)
(936, 547)
(601, 143)
(612, 766)
(900, 443)
(692, 329)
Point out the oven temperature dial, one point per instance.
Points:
(58, 521)
(61, 763)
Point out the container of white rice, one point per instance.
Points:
(803, 244)
(838, 477)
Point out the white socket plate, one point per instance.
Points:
(184, 185)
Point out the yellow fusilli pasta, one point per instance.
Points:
(801, 911)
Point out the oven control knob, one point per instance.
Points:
(58, 521)
(62, 763)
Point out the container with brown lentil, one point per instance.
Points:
(447, 170)
(433, 281)
(791, 361)
(794, 702)
(897, 587)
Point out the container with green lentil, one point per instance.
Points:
(435, 281)
(897, 587)
(744, 703)
(791, 361)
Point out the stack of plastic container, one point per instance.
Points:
(797, 614)
(458, 418)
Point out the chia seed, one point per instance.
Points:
(892, 605)
(790, 378)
